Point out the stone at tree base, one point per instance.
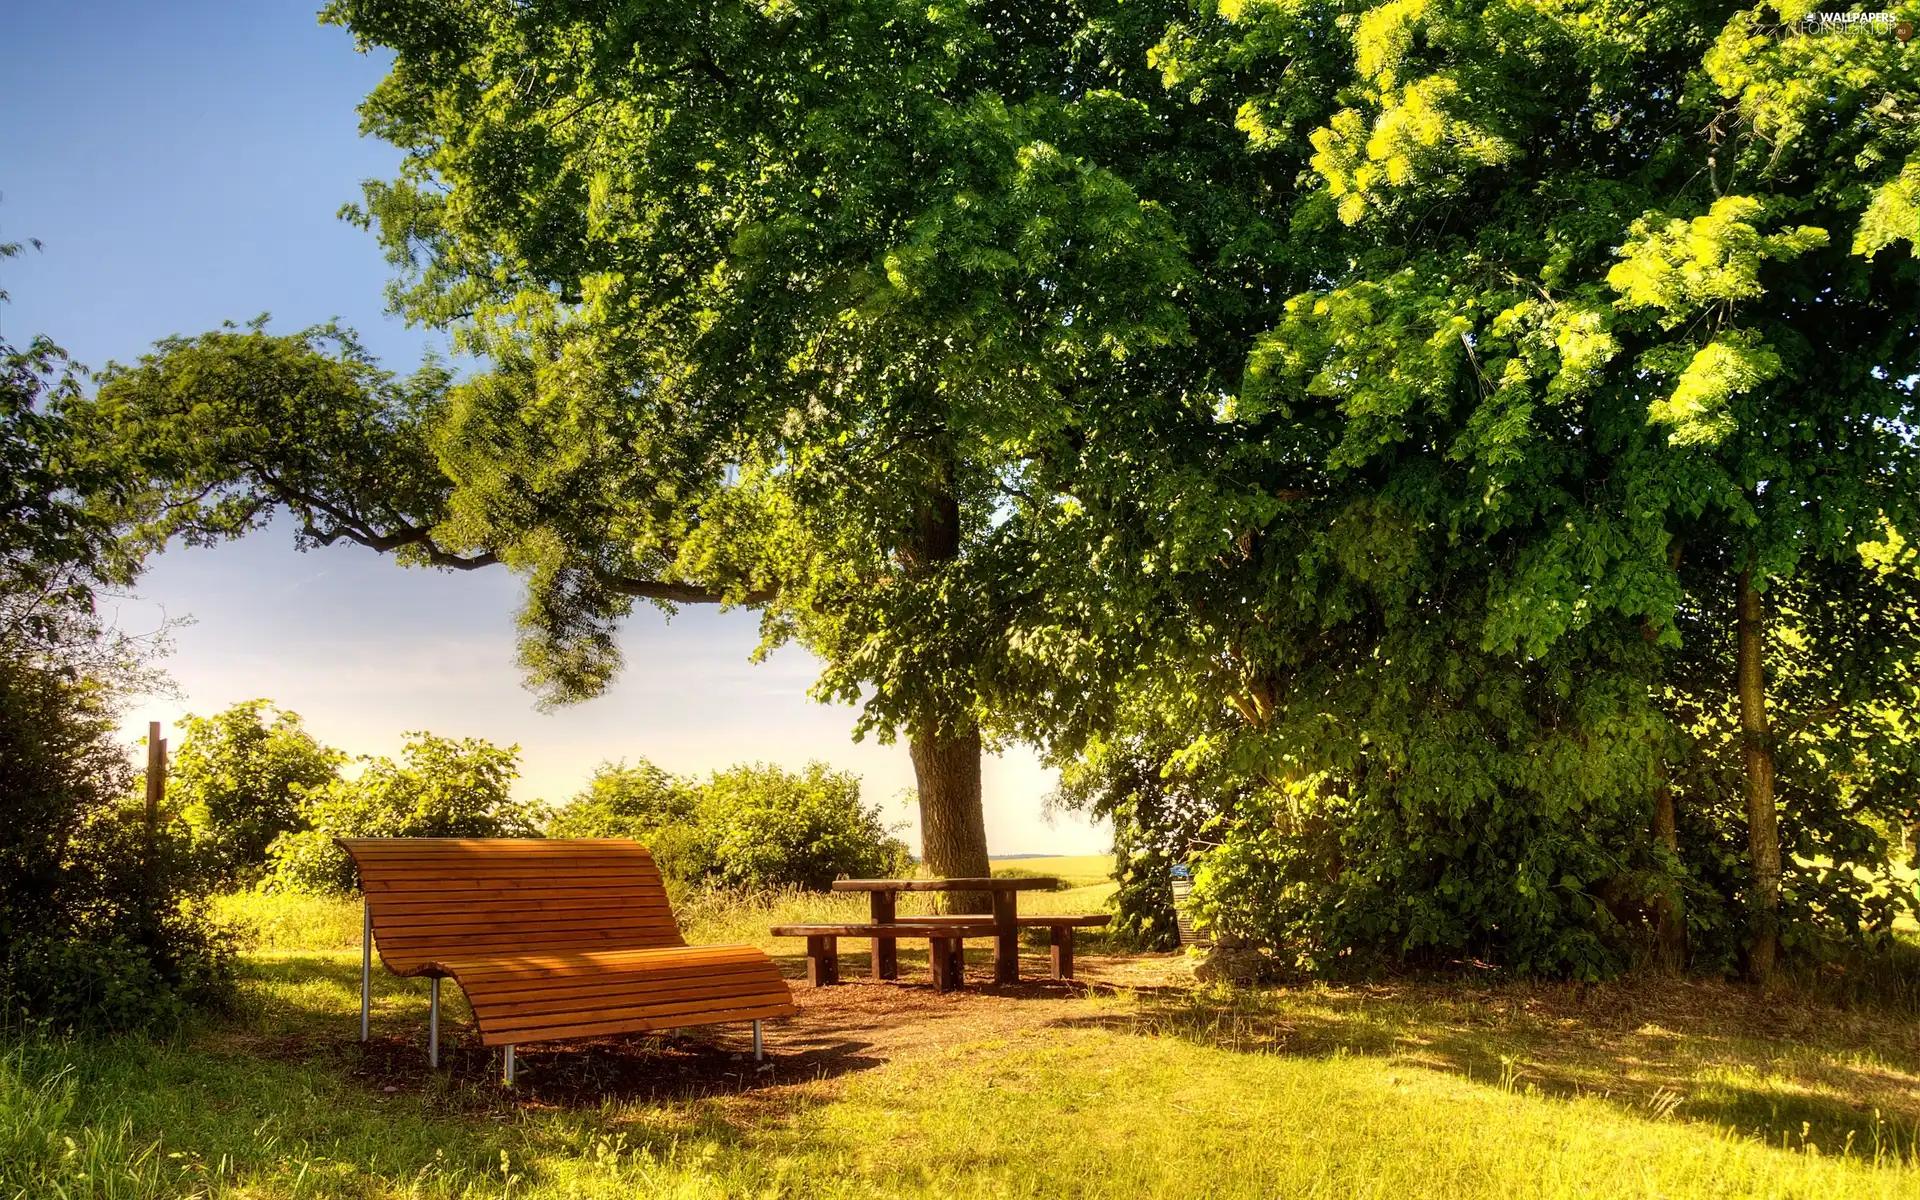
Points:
(1230, 960)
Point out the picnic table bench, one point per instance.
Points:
(550, 939)
(945, 934)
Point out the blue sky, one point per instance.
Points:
(183, 164)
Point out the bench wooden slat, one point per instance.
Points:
(519, 892)
(440, 927)
(638, 1024)
(639, 960)
(905, 929)
(976, 884)
(509, 1014)
(1029, 921)
(554, 939)
(531, 902)
(608, 987)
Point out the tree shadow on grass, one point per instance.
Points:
(1778, 1069)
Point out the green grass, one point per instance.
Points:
(1414, 1090)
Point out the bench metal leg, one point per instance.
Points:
(1060, 943)
(823, 960)
(759, 1048)
(433, 1022)
(506, 1068)
(366, 965)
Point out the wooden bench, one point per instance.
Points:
(945, 937)
(550, 939)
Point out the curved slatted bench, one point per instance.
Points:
(550, 939)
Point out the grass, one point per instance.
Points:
(1413, 1090)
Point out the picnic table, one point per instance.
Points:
(946, 935)
(883, 896)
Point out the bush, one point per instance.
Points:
(753, 827)
(103, 922)
(240, 779)
(772, 829)
(443, 788)
(650, 806)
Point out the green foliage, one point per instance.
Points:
(239, 780)
(650, 806)
(1162, 813)
(1383, 399)
(753, 827)
(772, 828)
(441, 787)
(101, 925)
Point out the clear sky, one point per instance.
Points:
(182, 163)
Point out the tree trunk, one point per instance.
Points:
(953, 824)
(946, 746)
(1763, 822)
(1669, 907)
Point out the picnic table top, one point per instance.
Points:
(1022, 884)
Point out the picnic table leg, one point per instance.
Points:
(823, 960)
(1006, 939)
(1060, 942)
(941, 955)
(886, 954)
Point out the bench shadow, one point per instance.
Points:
(1793, 1074)
(304, 1010)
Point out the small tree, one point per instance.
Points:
(241, 777)
(646, 804)
(770, 828)
(442, 787)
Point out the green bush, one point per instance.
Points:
(102, 922)
(770, 829)
(240, 779)
(646, 804)
(752, 827)
(443, 787)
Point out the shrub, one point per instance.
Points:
(442, 788)
(240, 779)
(772, 829)
(102, 921)
(755, 827)
(646, 804)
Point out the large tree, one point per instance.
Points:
(782, 309)
(1442, 415)
(1602, 400)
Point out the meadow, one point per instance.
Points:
(1135, 1082)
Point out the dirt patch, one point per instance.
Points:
(857, 1025)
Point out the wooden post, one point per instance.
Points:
(823, 960)
(156, 776)
(886, 953)
(1006, 937)
(940, 953)
(1060, 942)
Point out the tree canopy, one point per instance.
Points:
(1475, 438)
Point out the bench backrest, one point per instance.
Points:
(436, 899)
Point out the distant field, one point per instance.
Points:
(1081, 870)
